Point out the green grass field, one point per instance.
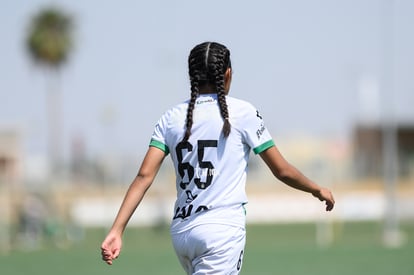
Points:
(270, 249)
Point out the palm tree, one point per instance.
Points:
(49, 41)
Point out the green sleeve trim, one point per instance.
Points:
(159, 145)
(263, 147)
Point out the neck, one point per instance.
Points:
(207, 89)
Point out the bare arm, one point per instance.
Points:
(112, 244)
(291, 176)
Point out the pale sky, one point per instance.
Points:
(302, 63)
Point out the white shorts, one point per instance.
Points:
(210, 249)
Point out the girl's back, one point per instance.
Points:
(211, 169)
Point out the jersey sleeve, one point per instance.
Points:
(158, 138)
(255, 133)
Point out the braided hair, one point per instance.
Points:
(207, 64)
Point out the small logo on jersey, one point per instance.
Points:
(260, 131)
(205, 100)
(258, 114)
(190, 196)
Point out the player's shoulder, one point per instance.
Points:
(240, 106)
(174, 115)
(177, 109)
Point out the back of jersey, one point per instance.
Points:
(210, 169)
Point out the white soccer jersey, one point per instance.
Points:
(210, 169)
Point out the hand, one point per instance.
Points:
(111, 248)
(324, 194)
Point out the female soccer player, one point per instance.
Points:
(209, 138)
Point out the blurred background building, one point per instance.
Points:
(369, 155)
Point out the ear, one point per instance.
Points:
(227, 75)
(227, 80)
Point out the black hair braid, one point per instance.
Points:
(219, 83)
(219, 68)
(207, 65)
(224, 112)
(191, 104)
